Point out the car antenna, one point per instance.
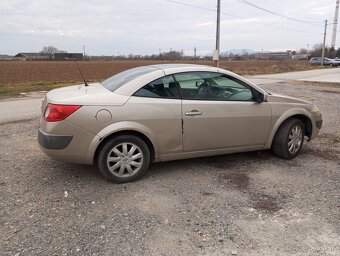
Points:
(85, 83)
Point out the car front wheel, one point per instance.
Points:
(124, 158)
(289, 139)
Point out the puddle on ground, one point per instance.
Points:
(266, 203)
(328, 91)
(237, 179)
(207, 193)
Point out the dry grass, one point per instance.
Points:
(22, 76)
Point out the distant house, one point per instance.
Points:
(68, 56)
(284, 55)
(6, 57)
(56, 56)
(31, 56)
(301, 57)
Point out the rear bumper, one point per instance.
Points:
(53, 141)
(65, 141)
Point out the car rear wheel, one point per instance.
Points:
(289, 139)
(124, 158)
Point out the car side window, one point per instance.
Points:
(164, 87)
(212, 86)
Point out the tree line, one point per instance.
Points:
(316, 51)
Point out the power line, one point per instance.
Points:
(238, 17)
(277, 14)
(289, 29)
(273, 26)
(191, 5)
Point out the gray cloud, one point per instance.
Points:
(109, 27)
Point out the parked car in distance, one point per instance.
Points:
(326, 62)
(167, 112)
(337, 61)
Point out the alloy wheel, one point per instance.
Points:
(295, 139)
(125, 160)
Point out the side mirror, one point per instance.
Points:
(259, 97)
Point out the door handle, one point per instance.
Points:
(193, 113)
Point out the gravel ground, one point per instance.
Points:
(240, 204)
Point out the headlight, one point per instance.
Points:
(315, 109)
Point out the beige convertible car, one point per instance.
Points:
(166, 112)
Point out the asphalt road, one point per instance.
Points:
(28, 107)
(250, 204)
(318, 75)
(19, 109)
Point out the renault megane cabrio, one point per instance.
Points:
(166, 112)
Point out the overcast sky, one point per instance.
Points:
(109, 27)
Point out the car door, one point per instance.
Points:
(219, 112)
(157, 106)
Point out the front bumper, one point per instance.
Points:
(319, 124)
(53, 141)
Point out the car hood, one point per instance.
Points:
(94, 94)
(273, 97)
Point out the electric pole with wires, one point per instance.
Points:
(216, 55)
(324, 44)
(335, 24)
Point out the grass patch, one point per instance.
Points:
(14, 90)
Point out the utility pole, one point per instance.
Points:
(171, 55)
(216, 56)
(84, 52)
(324, 44)
(195, 53)
(335, 24)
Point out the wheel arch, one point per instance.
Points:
(124, 128)
(302, 115)
(126, 132)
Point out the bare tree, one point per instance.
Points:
(332, 53)
(49, 51)
(317, 51)
(303, 51)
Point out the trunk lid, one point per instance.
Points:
(95, 94)
(74, 91)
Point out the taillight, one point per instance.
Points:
(54, 113)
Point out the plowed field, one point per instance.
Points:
(23, 76)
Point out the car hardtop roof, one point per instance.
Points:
(176, 66)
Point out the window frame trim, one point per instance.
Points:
(252, 89)
(175, 98)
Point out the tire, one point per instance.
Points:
(124, 158)
(289, 139)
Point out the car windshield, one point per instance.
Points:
(116, 81)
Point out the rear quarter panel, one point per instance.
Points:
(158, 119)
